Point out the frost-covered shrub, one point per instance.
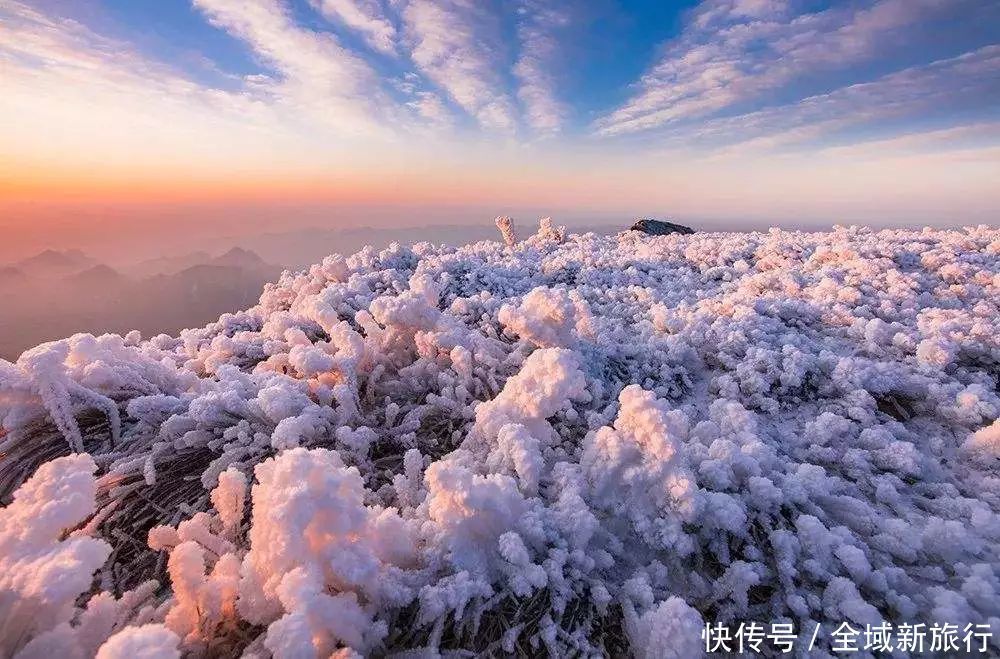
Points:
(43, 571)
(42, 574)
(548, 317)
(985, 443)
(143, 641)
(565, 445)
(359, 553)
(506, 226)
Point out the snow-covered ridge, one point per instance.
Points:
(566, 444)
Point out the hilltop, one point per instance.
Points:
(564, 444)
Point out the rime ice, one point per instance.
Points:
(571, 444)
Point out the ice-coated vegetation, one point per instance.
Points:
(568, 445)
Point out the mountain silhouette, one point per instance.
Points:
(53, 262)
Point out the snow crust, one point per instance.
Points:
(569, 444)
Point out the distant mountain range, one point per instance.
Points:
(52, 263)
(55, 293)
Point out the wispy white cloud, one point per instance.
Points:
(457, 44)
(27, 36)
(364, 16)
(968, 81)
(317, 75)
(72, 99)
(537, 24)
(976, 139)
(432, 108)
(38, 50)
(732, 51)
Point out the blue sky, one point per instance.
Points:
(607, 45)
(593, 55)
(715, 98)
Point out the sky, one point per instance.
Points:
(150, 117)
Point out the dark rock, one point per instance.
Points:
(659, 228)
(899, 407)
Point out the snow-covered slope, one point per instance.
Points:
(566, 444)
